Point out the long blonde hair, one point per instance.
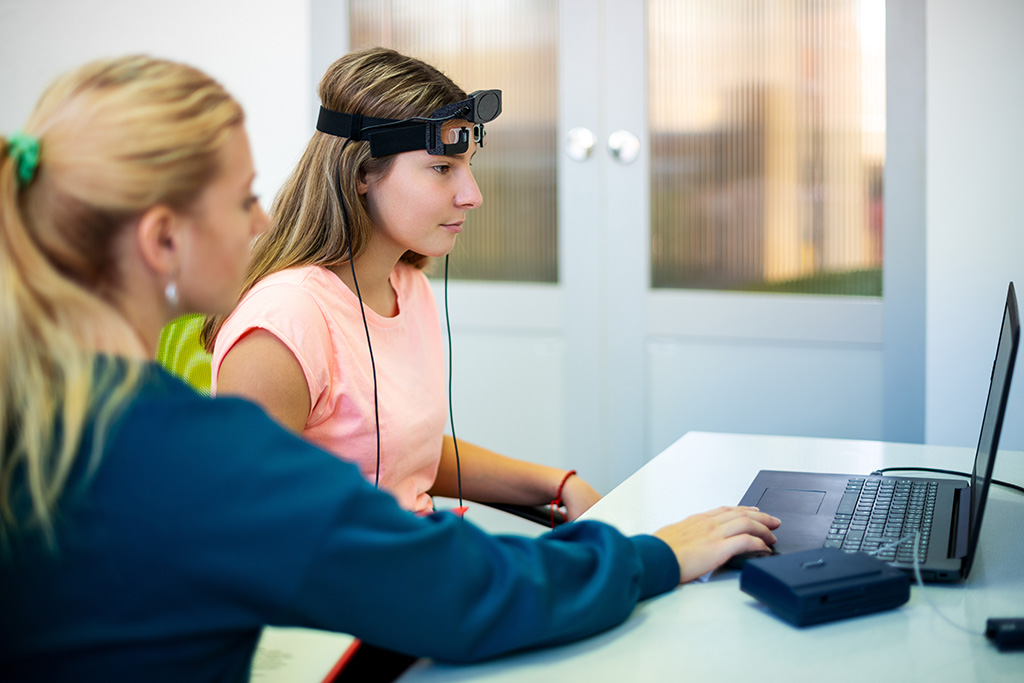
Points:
(116, 137)
(308, 224)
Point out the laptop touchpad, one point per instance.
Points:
(773, 501)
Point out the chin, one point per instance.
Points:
(437, 253)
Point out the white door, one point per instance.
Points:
(651, 363)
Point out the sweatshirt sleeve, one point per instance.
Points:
(438, 586)
(251, 525)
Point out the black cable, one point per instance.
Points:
(373, 364)
(451, 408)
(362, 307)
(941, 471)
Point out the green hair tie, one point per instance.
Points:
(24, 150)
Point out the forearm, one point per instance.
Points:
(488, 477)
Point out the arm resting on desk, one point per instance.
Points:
(440, 587)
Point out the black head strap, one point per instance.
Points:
(393, 136)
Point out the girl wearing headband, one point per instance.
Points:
(337, 335)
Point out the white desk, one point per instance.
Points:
(714, 632)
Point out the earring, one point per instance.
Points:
(171, 294)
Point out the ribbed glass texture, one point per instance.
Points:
(767, 144)
(509, 45)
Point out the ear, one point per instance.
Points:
(159, 236)
(362, 187)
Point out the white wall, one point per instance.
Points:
(975, 208)
(258, 49)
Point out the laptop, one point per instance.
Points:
(834, 510)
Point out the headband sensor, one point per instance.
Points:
(394, 136)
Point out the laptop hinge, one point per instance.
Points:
(958, 536)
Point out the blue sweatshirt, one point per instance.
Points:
(204, 521)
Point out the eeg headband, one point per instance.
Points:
(393, 136)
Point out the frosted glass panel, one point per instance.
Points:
(482, 44)
(767, 144)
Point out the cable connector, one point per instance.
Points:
(1006, 634)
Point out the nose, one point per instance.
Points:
(469, 196)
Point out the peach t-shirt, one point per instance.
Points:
(317, 317)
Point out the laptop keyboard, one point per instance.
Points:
(876, 512)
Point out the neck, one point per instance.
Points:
(136, 332)
(373, 272)
(110, 332)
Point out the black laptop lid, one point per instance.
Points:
(992, 422)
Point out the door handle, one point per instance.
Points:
(624, 146)
(580, 143)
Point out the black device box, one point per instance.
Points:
(824, 584)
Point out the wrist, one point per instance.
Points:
(560, 491)
(556, 504)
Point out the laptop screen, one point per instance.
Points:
(992, 422)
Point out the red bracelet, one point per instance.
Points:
(557, 502)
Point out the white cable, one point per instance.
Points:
(920, 580)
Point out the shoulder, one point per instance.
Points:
(290, 304)
(295, 286)
(162, 397)
(220, 480)
(180, 427)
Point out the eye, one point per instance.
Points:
(250, 202)
(442, 168)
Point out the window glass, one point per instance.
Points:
(767, 123)
(509, 45)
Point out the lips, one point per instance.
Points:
(453, 227)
